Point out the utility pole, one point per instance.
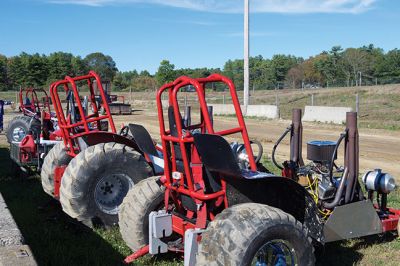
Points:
(246, 71)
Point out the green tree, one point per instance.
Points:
(102, 64)
(234, 70)
(3, 73)
(280, 65)
(60, 65)
(79, 66)
(145, 73)
(165, 72)
(144, 83)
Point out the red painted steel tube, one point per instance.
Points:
(104, 99)
(140, 253)
(194, 194)
(238, 110)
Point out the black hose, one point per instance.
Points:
(342, 136)
(277, 144)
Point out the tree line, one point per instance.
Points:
(366, 65)
(35, 70)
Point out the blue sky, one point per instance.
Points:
(138, 34)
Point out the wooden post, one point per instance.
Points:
(312, 99)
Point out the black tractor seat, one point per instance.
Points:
(217, 156)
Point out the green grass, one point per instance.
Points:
(56, 239)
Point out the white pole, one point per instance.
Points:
(246, 73)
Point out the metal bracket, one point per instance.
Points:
(160, 226)
(191, 246)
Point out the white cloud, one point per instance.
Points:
(236, 6)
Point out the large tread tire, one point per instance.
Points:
(238, 232)
(24, 122)
(56, 157)
(143, 198)
(84, 172)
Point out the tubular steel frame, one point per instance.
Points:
(205, 126)
(36, 105)
(67, 127)
(193, 167)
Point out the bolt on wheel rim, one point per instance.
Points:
(18, 134)
(110, 190)
(275, 253)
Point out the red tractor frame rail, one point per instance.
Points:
(86, 123)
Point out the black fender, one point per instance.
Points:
(278, 192)
(96, 137)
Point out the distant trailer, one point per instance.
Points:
(120, 108)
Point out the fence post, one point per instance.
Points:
(357, 103)
(185, 100)
(223, 98)
(130, 94)
(312, 99)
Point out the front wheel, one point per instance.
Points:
(97, 180)
(255, 234)
(142, 199)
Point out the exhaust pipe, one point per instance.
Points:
(351, 155)
(296, 138)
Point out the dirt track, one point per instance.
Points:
(378, 148)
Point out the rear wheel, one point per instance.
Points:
(142, 199)
(255, 234)
(56, 157)
(97, 180)
(20, 126)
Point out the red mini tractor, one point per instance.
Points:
(219, 206)
(34, 133)
(93, 168)
(32, 102)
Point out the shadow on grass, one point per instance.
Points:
(54, 237)
(347, 252)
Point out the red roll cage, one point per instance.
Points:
(193, 173)
(36, 105)
(86, 123)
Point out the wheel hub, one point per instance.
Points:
(18, 134)
(275, 253)
(110, 190)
